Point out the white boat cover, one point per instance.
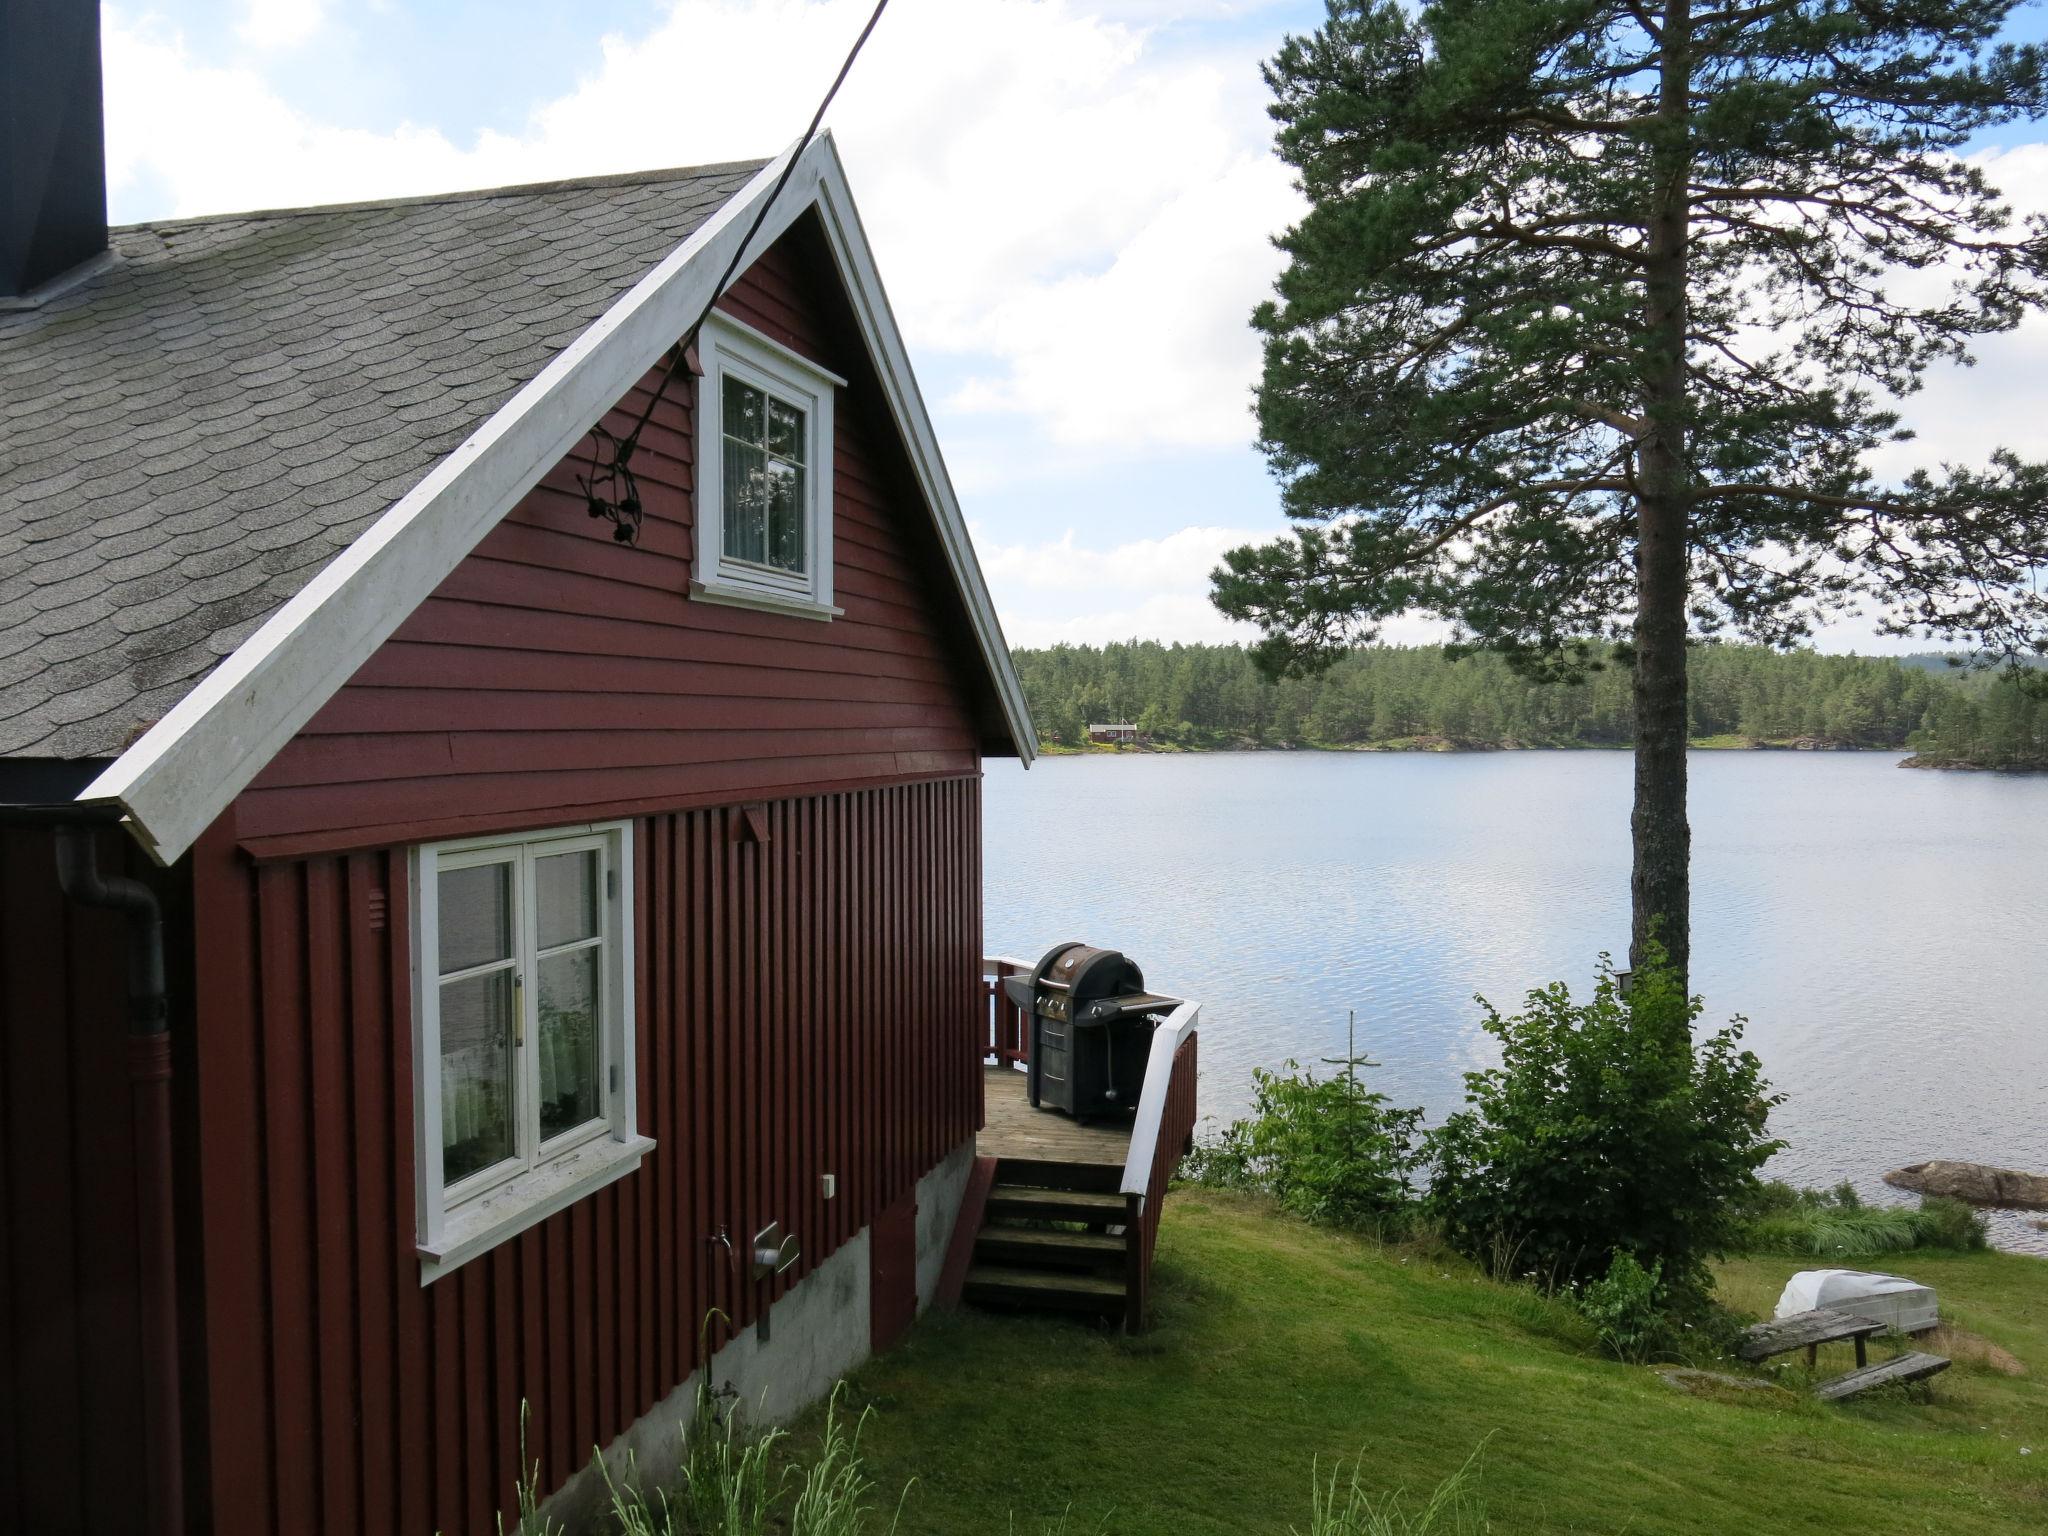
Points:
(1892, 1299)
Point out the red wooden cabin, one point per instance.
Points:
(436, 937)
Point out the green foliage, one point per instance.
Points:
(1569, 261)
(1328, 1149)
(1992, 722)
(1607, 1129)
(1626, 1309)
(1347, 1506)
(1215, 695)
(1836, 1224)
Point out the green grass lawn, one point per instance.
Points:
(1277, 1343)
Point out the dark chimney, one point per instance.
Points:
(53, 160)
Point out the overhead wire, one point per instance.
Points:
(620, 498)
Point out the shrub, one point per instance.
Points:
(1812, 1223)
(1328, 1149)
(1625, 1309)
(1606, 1129)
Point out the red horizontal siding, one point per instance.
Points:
(807, 1004)
(556, 674)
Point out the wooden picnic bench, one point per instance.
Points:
(1828, 1325)
(1914, 1366)
(1808, 1331)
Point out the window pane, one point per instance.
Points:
(568, 1040)
(746, 503)
(566, 897)
(785, 431)
(785, 515)
(476, 916)
(476, 1074)
(745, 408)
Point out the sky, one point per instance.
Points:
(1072, 206)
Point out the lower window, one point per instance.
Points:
(523, 1042)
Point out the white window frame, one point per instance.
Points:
(455, 1225)
(726, 346)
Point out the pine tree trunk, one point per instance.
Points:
(1660, 885)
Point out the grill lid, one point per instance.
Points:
(1071, 977)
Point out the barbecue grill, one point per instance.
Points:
(1091, 1028)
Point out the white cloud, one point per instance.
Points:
(1072, 202)
(1065, 589)
(216, 138)
(1962, 414)
(1155, 589)
(1157, 348)
(276, 24)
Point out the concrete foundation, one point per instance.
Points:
(817, 1334)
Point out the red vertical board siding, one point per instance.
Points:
(345, 1397)
(70, 1326)
(805, 970)
(556, 675)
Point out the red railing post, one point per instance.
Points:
(1008, 1038)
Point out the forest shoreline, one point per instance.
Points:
(1389, 698)
(1446, 745)
(1934, 761)
(1941, 761)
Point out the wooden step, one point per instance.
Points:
(1018, 1201)
(1912, 1367)
(1046, 1248)
(1044, 1173)
(995, 1284)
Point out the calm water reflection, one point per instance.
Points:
(1882, 929)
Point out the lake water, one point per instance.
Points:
(1884, 931)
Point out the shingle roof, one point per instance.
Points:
(190, 435)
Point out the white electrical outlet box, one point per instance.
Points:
(830, 1182)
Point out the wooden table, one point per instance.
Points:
(1808, 1331)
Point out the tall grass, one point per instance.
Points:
(724, 1487)
(832, 1497)
(1343, 1506)
(1836, 1224)
(734, 1483)
(530, 1521)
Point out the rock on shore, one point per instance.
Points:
(1976, 1183)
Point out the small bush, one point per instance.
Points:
(1626, 1311)
(1946, 1223)
(1606, 1129)
(1328, 1149)
(1824, 1224)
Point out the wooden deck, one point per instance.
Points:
(1017, 1130)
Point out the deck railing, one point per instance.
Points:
(1162, 1135)
(1007, 1040)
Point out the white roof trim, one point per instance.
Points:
(188, 768)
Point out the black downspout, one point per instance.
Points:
(149, 1080)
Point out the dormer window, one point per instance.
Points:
(764, 480)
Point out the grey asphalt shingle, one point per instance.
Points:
(187, 437)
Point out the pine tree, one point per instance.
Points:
(1594, 325)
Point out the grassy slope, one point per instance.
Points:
(1277, 1343)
